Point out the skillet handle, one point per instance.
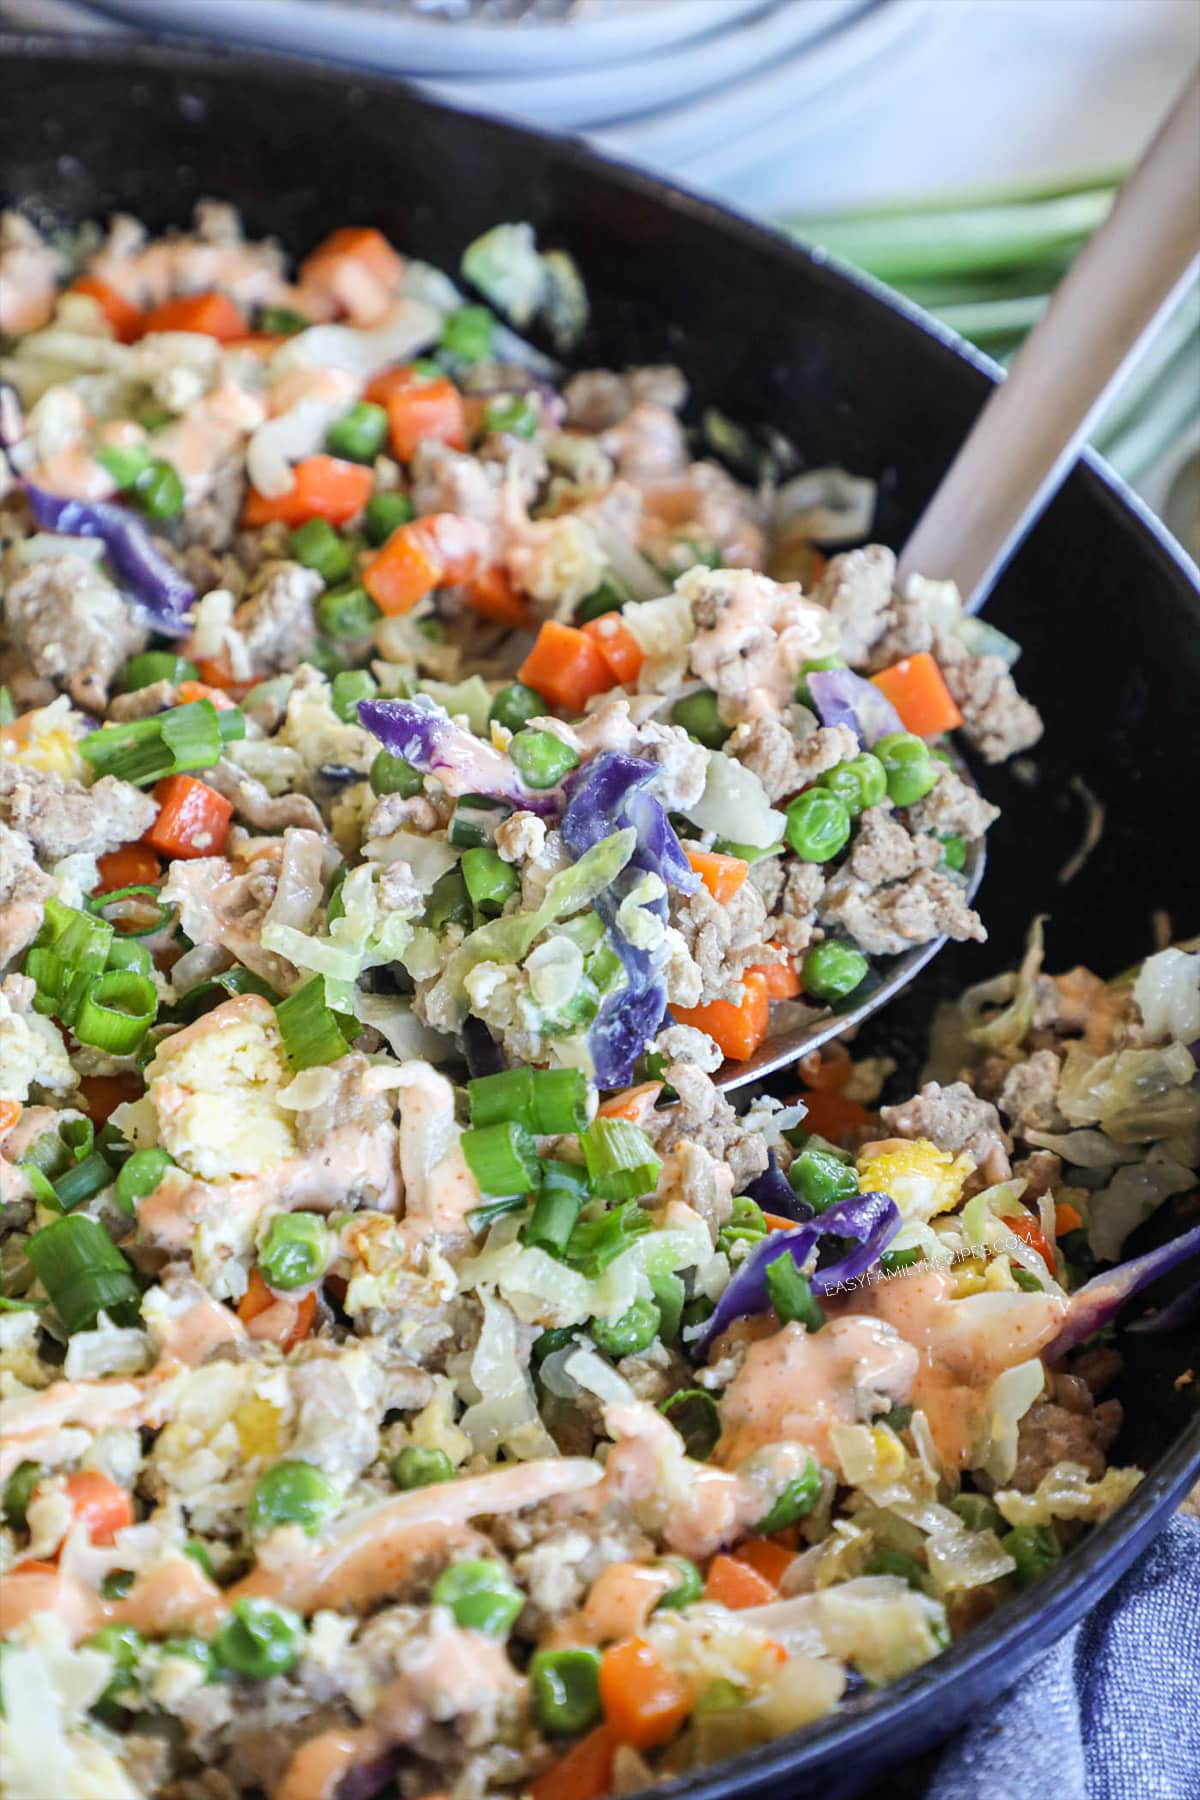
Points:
(1102, 316)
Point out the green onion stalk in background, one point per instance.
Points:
(986, 265)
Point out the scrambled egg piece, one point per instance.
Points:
(920, 1178)
(44, 740)
(215, 1091)
(32, 1054)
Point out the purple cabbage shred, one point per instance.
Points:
(872, 1220)
(1101, 1299)
(843, 698)
(143, 571)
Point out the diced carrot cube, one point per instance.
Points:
(212, 315)
(565, 666)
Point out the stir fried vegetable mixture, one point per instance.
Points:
(562, 1429)
(354, 642)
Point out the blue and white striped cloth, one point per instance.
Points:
(1113, 1713)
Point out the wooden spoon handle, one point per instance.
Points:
(1100, 319)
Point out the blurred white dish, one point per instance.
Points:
(584, 98)
(699, 139)
(387, 38)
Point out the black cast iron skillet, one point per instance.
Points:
(1107, 608)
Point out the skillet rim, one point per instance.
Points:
(984, 1660)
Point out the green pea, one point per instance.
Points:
(449, 902)
(688, 1587)
(193, 1650)
(347, 613)
(831, 971)
(126, 1645)
(798, 1497)
(386, 513)
(318, 546)
(349, 687)
(158, 491)
(699, 717)
(481, 1596)
(606, 598)
(859, 782)
(894, 1562)
(515, 705)
(822, 1178)
(294, 1251)
(416, 1467)
(908, 765)
(18, 1492)
(818, 825)
(360, 434)
(512, 415)
(392, 775)
(635, 1330)
(124, 462)
(817, 665)
(954, 852)
(292, 1493)
(258, 1639)
(565, 1689)
(1034, 1548)
(542, 758)
(977, 1512)
(467, 333)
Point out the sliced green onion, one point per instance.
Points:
(144, 750)
(822, 1177)
(392, 775)
(157, 665)
(977, 1512)
(791, 1295)
(474, 820)
(351, 686)
(202, 999)
(384, 514)
(541, 758)
(360, 434)
(506, 1097)
(318, 546)
(82, 1180)
(560, 1102)
(40, 1185)
(18, 1492)
(116, 1012)
(282, 321)
(313, 1033)
(620, 1158)
(449, 903)
(693, 1413)
(670, 1296)
(129, 955)
(139, 1176)
(8, 710)
(893, 1261)
(559, 1203)
(100, 905)
(598, 1241)
(688, 1588)
(490, 880)
(84, 1273)
(482, 1216)
(502, 1158)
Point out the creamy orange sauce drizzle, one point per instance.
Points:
(619, 1602)
(962, 1345)
(794, 1386)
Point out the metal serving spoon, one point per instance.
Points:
(1103, 315)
